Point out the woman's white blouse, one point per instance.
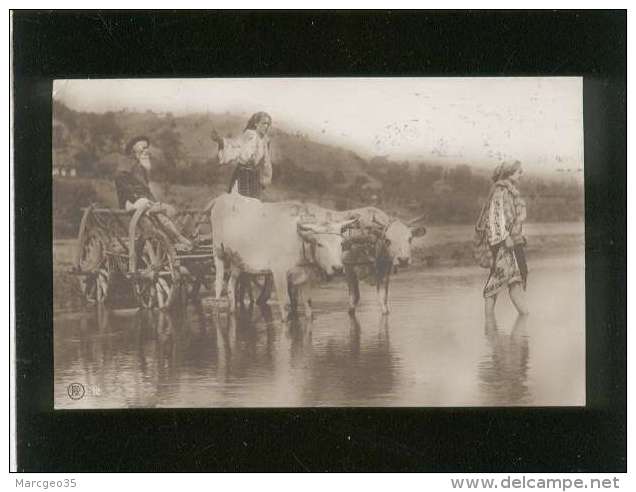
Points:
(250, 149)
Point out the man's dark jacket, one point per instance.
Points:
(132, 184)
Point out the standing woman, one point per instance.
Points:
(250, 153)
(502, 220)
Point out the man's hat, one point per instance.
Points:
(131, 143)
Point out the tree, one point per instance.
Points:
(64, 114)
(360, 180)
(461, 177)
(60, 136)
(106, 133)
(168, 142)
(87, 162)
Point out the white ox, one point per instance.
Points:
(255, 237)
(392, 246)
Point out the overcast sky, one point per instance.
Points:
(479, 121)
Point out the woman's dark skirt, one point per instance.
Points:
(249, 181)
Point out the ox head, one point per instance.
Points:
(326, 240)
(400, 236)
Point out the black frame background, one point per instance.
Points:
(592, 44)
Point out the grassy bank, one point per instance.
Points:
(460, 253)
(449, 246)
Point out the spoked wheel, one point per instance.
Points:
(157, 282)
(95, 286)
(92, 259)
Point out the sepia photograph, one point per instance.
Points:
(318, 242)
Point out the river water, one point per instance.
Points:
(433, 349)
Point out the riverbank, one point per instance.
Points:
(442, 247)
(460, 253)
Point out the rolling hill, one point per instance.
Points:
(186, 166)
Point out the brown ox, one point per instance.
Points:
(379, 243)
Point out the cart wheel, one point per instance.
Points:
(95, 286)
(159, 278)
(92, 259)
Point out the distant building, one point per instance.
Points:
(64, 165)
(65, 171)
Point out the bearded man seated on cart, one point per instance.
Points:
(133, 189)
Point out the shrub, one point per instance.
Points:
(69, 196)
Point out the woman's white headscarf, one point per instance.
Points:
(505, 169)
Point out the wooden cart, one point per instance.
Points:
(137, 247)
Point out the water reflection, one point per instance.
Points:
(504, 372)
(299, 332)
(248, 339)
(150, 358)
(361, 371)
(426, 352)
(200, 340)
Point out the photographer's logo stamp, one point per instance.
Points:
(76, 391)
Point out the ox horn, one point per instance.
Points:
(416, 220)
(418, 231)
(307, 228)
(343, 225)
(305, 232)
(377, 221)
(306, 236)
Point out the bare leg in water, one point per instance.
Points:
(489, 306)
(518, 298)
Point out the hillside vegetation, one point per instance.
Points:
(187, 169)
